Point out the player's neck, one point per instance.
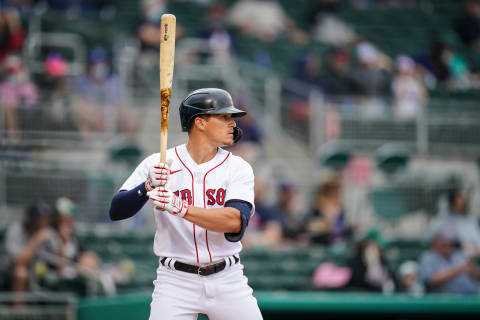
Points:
(201, 152)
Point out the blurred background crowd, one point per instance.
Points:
(362, 130)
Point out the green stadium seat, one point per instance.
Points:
(388, 203)
(401, 250)
(334, 155)
(391, 158)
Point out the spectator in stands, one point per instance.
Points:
(265, 228)
(61, 111)
(308, 72)
(326, 27)
(409, 279)
(338, 87)
(327, 221)
(101, 104)
(93, 8)
(408, 88)
(306, 76)
(12, 34)
(71, 266)
(148, 35)
(465, 228)
(17, 92)
(289, 212)
(216, 34)
(69, 247)
(434, 64)
(461, 78)
(448, 67)
(444, 269)
(468, 24)
(265, 20)
(368, 265)
(25, 240)
(308, 69)
(148, 30)
(336, 77)
(372, 78)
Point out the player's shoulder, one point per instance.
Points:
(238, 162)
(176, 152)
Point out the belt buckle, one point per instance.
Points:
(201, 270)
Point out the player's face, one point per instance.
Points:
(220, 129)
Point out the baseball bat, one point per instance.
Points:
(167, 59)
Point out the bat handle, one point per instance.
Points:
(163, 146)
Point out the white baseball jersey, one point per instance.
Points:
(208, 185)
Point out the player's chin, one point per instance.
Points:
(229, 141)
(229, 144)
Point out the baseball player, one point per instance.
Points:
(203, 199)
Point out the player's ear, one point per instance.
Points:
(200, 123)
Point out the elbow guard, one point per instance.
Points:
(245, 209)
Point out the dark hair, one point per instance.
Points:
(35, 211)
(329, 187)
(452, 195)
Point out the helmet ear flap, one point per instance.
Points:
(237, 134)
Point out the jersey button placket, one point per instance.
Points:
(198, 178)
(198, 181)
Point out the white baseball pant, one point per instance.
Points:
(224, 295)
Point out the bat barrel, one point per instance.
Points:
(167, 60)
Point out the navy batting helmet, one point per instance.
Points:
(206, 101)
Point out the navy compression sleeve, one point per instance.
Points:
(126, 204)
(244, 208)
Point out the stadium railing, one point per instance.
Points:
(38, 306)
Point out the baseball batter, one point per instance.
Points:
(203, 199)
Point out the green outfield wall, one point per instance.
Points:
(308, 305)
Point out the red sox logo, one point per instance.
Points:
(213, 196)
(216, 196)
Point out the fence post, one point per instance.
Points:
(422, 129)
(273, 96)
(317, 120)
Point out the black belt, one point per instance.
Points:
(200, 270)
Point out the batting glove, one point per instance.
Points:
(158, 176)
(164, 199)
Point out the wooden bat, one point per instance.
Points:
(167, 59)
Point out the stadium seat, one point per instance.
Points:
(388, 203)
(392, 157)
(334, 155)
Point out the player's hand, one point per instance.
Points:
(158, 176)
(164, 199)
